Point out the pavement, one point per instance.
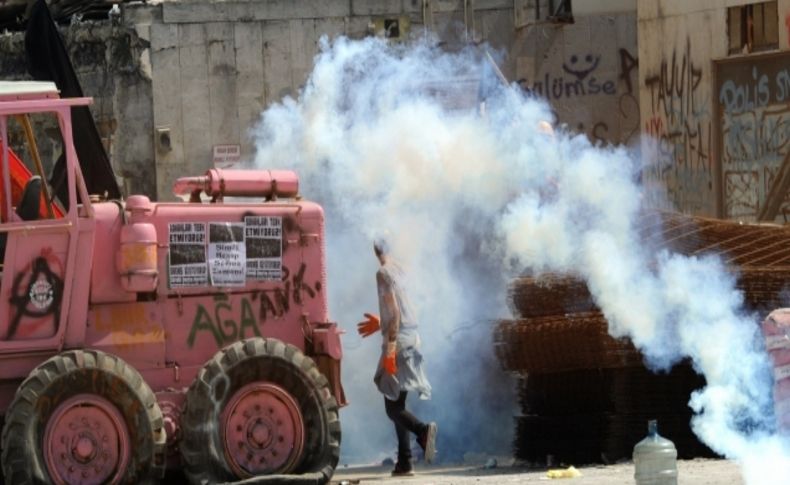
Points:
(690, 472)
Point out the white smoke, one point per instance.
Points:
(468, 200)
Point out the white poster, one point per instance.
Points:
(226, 253)
(264, 242)
(226, 156)
(187, 254)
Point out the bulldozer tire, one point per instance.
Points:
(83, 416)
(258, 408)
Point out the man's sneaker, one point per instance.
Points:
(428, 441)
(403, 469)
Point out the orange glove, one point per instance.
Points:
(369, 326)
(388, 362)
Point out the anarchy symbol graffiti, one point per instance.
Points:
(35, 294)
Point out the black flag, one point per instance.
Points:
(48, 60)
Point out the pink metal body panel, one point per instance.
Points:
(137, 261)
(75, 334)
(241, 183)
(185, 326)
(132, 331)
(201, 320)
(105, 285)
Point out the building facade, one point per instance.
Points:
(180, 83)
(216, 65)
(584, 61)
(714, 86)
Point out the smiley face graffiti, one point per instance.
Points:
(581, 69)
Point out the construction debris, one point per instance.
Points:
(584, 394)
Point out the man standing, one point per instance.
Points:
(400, 367)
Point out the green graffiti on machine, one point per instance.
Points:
(225, 330)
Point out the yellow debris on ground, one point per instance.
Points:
(570, 472)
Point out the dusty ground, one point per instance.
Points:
(691, 472)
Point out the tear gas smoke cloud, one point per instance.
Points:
(467, 201)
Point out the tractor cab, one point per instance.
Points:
(27, 172)
(38, 236)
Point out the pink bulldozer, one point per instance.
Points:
(141, 336)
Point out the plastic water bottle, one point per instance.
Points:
(655, 459)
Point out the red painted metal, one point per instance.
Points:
(19, 177)
(263, 430)
(86, 441)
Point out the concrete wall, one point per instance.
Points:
(217, 65)
(589, 7)
(111, 66)
(679, 42)
(587, 70)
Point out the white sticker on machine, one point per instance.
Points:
(187, 255)
(226, 253)
(264, 241)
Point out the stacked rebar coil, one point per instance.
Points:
(586, 396)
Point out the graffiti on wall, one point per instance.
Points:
(753, 95)
(628, 104)
(679, 122)
(627, 65)
(581, 78)
(578, 79)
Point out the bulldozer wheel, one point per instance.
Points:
(259, 407)
(83, 416)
